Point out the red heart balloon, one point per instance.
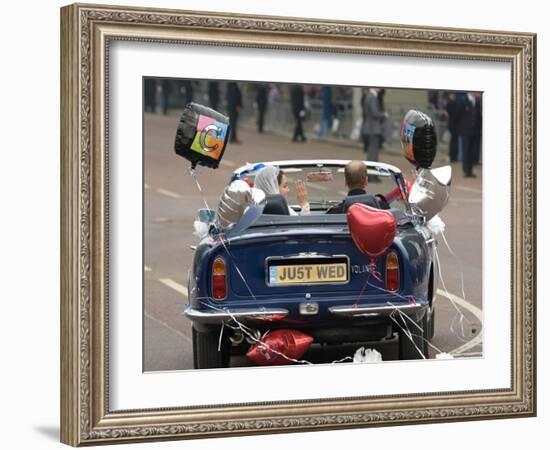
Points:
(291, 343)
(372, 230)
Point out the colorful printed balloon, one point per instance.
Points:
(202, 135)
(418, 139)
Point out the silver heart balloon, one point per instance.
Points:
(431, 190)
(236, 198)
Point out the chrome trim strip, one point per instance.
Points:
(373, 310)
(219, 315)
(314, 163)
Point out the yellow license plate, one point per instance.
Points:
(308, 274)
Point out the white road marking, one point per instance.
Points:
(227, 163)
(147, 269)
(468, 189)
(176, 286)
(164, 324)
(168, 193)
(478, 313)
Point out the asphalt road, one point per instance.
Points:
(171, 199)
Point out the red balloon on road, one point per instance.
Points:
(372, 230)
(291, 343)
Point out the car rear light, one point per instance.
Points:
(392, 272)
(219, 281)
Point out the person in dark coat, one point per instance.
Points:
(451, 125)
(297, 101)
(328, 111)
(477, 128)
(373, 125)
(149, 88)
(356, 177)
(166, 85)
(385, 121)
(213, 94)
(234, 104)
(465, 126)
(188, 87)
(261, 101)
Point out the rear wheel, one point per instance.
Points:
(414, 346)
(206, 354)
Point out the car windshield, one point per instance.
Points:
(326, 185)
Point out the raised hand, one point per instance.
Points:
(301, 193)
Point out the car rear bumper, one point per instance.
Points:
(275, 314)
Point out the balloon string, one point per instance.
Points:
(405, 317)
(397, 310)
(241, 276)
(193, 173)
(407, 334)
(220, 338)
(375, 274)
(459, 263)
(409, 298)
(459, 313)
(463, 338)
(362, 290)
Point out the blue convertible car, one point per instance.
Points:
(274, 270)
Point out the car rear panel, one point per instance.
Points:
(249, 258)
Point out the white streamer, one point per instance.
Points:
(458, 311)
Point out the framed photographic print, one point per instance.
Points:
(277, 225)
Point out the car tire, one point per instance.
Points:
(205, 350)
(409, 349)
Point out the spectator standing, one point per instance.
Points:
(477, 128)
(261, 101)
(386, 125)
(451, 109)
(166, 86)
(213, 94)
(465, 126)
(373, 118)
(188, 87)
(433, 98)
(380, 96)
(297, 100)
(149, 88)
(326, 120)
(234, 104)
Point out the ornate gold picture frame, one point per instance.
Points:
(87, 31)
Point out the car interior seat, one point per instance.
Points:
(365, 199)
(275, 204)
